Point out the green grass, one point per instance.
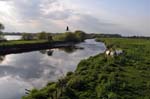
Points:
(102, 77)
(19, 42)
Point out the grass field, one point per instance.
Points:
(135, 64)
(19, 42)
(102, 77)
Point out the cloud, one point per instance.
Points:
(5, 0)
(59, 15)
(12, 88)
(26, 9)
(55, 10)
(91, 24)
(54, 15)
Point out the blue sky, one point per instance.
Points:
(126, 17)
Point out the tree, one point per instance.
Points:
(27, 36)
(80, 35)
(1, 28)
(44, 36)
(69, 36)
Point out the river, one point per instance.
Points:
(35, 69)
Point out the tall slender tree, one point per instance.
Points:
(1, 28)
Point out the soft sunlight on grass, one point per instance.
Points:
(101, 77)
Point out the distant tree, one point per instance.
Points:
(76, 36)
(59, 37)
(49, 37)
(80, 35)
(69, 36)
(1, 28)
(27, 36)
(44, 36)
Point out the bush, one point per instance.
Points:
(44, 36)
(77, 83)
(77, 36)
(27, 36)
(80, 35)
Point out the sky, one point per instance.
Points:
(126, 17)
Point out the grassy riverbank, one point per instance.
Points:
(21, 42)
(43, 37)
(102, 77)
(41, 41)
(19, 46)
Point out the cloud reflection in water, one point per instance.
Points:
(34, 69)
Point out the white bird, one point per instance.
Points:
(107, 52)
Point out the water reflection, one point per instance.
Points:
(43, 51)
(48, 52)
(71, 49)
(35, 69)
(68, 50)
(12, 37)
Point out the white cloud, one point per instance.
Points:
(12, 88)
(54, 15)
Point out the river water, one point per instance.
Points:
(35, 69)
(12, 37)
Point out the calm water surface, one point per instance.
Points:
(35, 69)
(12, 37)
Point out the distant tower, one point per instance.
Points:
(67, 29)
